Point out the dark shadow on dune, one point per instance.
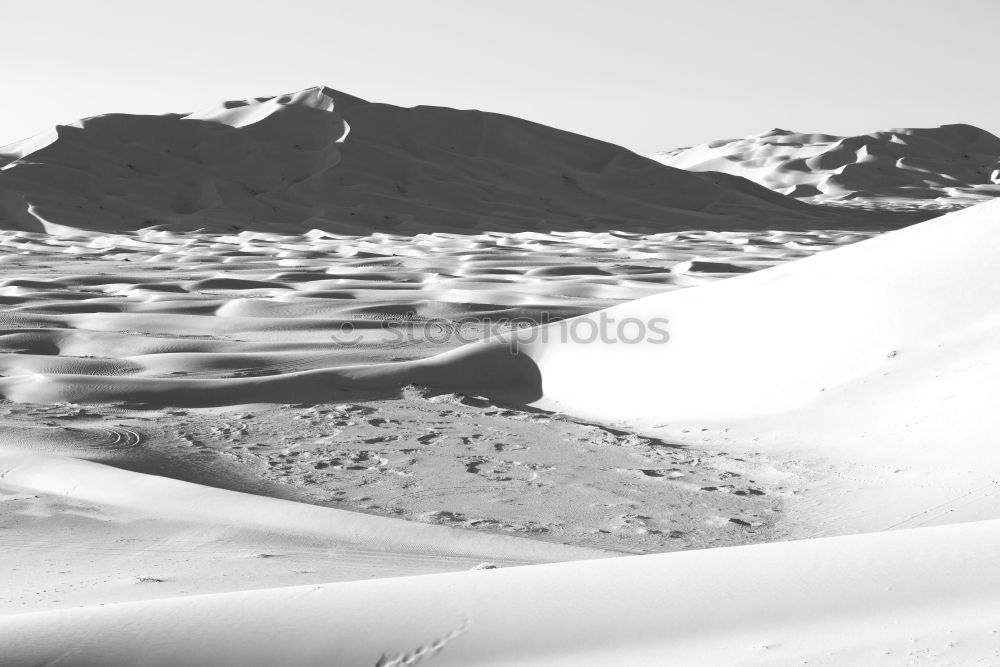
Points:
(491, 371)
(398, 170)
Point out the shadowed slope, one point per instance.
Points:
(322, 159)
(486, 369)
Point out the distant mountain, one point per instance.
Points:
(326, 160)
(943, 167)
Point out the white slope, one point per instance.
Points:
(927, 596)
(879, 361)
(895, 324)
(944, 167)
(321, 159)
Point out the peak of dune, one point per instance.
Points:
(946, 167)
(323, 159)
(239, 113)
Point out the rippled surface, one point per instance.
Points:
(173, 305)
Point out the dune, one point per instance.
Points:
(178, 323)
(114, 347)
(817, 329)
(938, 168)
(322, 159)
(867, 357)
(925, 595)
(150, 495)
(895, 331)
(881, 317)
(79, 532)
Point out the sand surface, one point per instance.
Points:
(84, 317)
(908, 597)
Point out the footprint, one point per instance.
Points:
(473, 466)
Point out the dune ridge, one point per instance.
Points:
(322, 159)
(943, 168)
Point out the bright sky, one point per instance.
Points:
(646, 74)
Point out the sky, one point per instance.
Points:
(646, 74)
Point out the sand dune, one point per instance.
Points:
(856, 320)
(945, 167)
(321, 159)
(77, 532)
(138, 321)
(880, 367)
(210, 320)
(905, 597)
(869, 356)
(827, 311)
(839, 332)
